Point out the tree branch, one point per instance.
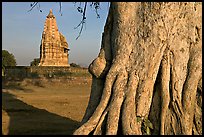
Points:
(82, 21)
(60, 4)
(32, 6)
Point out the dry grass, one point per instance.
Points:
(44, 107)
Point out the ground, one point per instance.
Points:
(44, 107)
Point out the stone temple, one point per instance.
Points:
(54, 47)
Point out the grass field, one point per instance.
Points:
(40, 107)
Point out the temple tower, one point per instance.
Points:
(54, 47)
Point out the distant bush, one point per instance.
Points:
(61, 74)
(75, 65)
(34, 75)
(35, 62)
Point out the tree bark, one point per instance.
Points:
(148, 71)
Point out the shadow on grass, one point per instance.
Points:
(28, 120)
(12, 85)
(21, 84)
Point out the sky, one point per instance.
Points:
(22, 30)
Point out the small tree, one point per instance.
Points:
(75, 65)
(35, 62)
(8, 59)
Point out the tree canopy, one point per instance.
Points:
(35, 62)
(8, 59)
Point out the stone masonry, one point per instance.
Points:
(54, 47)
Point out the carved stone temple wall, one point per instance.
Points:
(54, 47)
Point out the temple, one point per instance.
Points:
(54, 47)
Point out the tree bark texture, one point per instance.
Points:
(149, 70)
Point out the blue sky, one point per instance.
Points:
(22, 30)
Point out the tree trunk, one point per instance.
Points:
(147, 78)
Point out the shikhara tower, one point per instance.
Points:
(54, 47)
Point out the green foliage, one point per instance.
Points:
(75, 65)
(60, 74)
(146, 125)
(34, 75)
(8, 59)
(3, 70)
(65, 74)
(139, 119)
(35, 62)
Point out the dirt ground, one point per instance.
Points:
(40, 107)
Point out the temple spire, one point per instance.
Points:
(50, 14)
(54, 47)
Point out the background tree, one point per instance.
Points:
(35, 62)
(75, 65)
(8, 59)
(147, 78)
